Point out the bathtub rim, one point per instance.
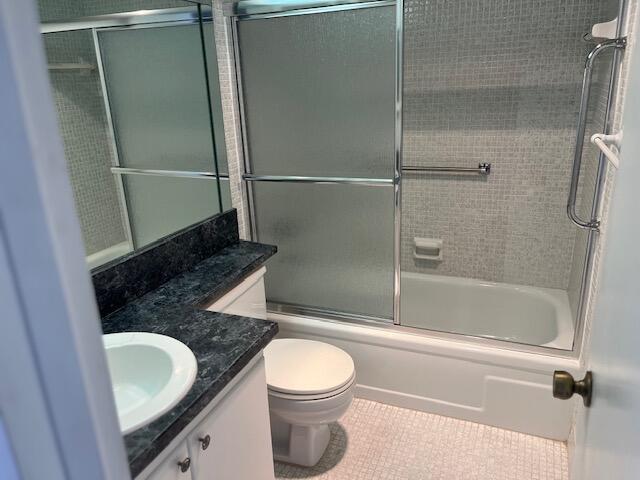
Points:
(464, 346)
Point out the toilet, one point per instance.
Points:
(310, 385)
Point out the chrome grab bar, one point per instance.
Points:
(482, 169)
(594, 223)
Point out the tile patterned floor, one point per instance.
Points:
(374, 441)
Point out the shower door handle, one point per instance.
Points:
(594, 223)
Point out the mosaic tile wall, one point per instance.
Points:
(494, 81)
(231, 115)
(83, 125)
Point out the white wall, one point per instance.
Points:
(8, 467)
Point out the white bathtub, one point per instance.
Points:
(460, 377)
(529, 315)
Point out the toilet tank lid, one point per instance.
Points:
(305, 367)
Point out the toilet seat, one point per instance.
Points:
(313, 396)
(301, 369)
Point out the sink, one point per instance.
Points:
(150, 374)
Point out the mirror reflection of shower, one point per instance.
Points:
(144, 145)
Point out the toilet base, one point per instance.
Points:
(298, 444)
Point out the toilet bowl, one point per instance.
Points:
(310, 385)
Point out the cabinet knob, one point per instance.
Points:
(184, 465)
(205, 441)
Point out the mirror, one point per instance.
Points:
(140, 115)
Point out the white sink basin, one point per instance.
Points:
(150, 374)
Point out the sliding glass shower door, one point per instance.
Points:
(318, 100)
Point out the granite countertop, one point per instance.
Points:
(223, 344)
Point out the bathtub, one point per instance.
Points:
(529, 315)
(469, 378)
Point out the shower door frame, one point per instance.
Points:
(592, 240)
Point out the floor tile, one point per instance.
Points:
(374, 441)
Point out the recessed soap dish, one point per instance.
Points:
(427, 249)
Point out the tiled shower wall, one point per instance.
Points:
(83, 125)
(230, 115)
(494, 81)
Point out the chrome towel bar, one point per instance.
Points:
(481, 169)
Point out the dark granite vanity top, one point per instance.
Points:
(223, 344)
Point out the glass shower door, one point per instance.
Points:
(318, 100)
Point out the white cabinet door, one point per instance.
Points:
(239, 432)
(170, 469)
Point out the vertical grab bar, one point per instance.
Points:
(594, 223)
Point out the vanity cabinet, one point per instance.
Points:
(231, 442)
(231, 438)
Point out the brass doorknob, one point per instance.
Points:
(564, 386)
